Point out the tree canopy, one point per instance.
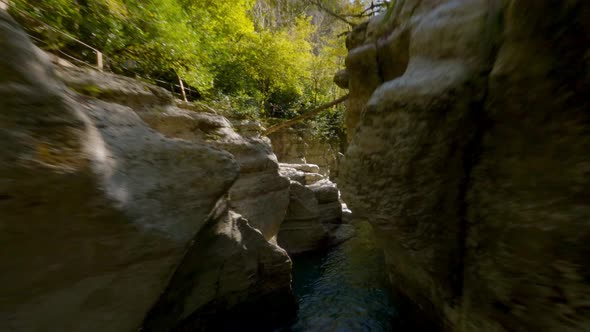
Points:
(266, 58)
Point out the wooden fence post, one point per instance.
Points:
(99, 63)
(182, 89)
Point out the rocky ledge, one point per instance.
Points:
(314, 217)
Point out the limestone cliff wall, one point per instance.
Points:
(298, 145)
(119, 210)
(470, 155)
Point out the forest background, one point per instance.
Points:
(260, 59)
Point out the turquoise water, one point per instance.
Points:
(344, 289)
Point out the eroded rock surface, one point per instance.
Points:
(112, 199)
(301, 230)
(230, 277)
(470, 156)
(314, 216)
(299, 146)
(260, 194)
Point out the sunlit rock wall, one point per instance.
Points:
(299, 145)
(108, 211)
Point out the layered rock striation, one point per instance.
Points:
(469, 154)
(314, 214)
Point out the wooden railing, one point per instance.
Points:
(178, 89)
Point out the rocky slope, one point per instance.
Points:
(470, 150)
(314, 217)
(120, 210)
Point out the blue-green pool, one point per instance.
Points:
(344, 289)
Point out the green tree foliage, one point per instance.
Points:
(269, 58)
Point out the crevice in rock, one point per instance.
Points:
(481, 124)
(380, 71)
(6, 197)
(394, 45)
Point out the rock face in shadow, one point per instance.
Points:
(470, 156)
(314, 215)
(103, 218)
(232, 274)
(302, 230)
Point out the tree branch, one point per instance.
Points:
(318, 4)
(305, 116)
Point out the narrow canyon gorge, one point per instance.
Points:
(459, 198)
